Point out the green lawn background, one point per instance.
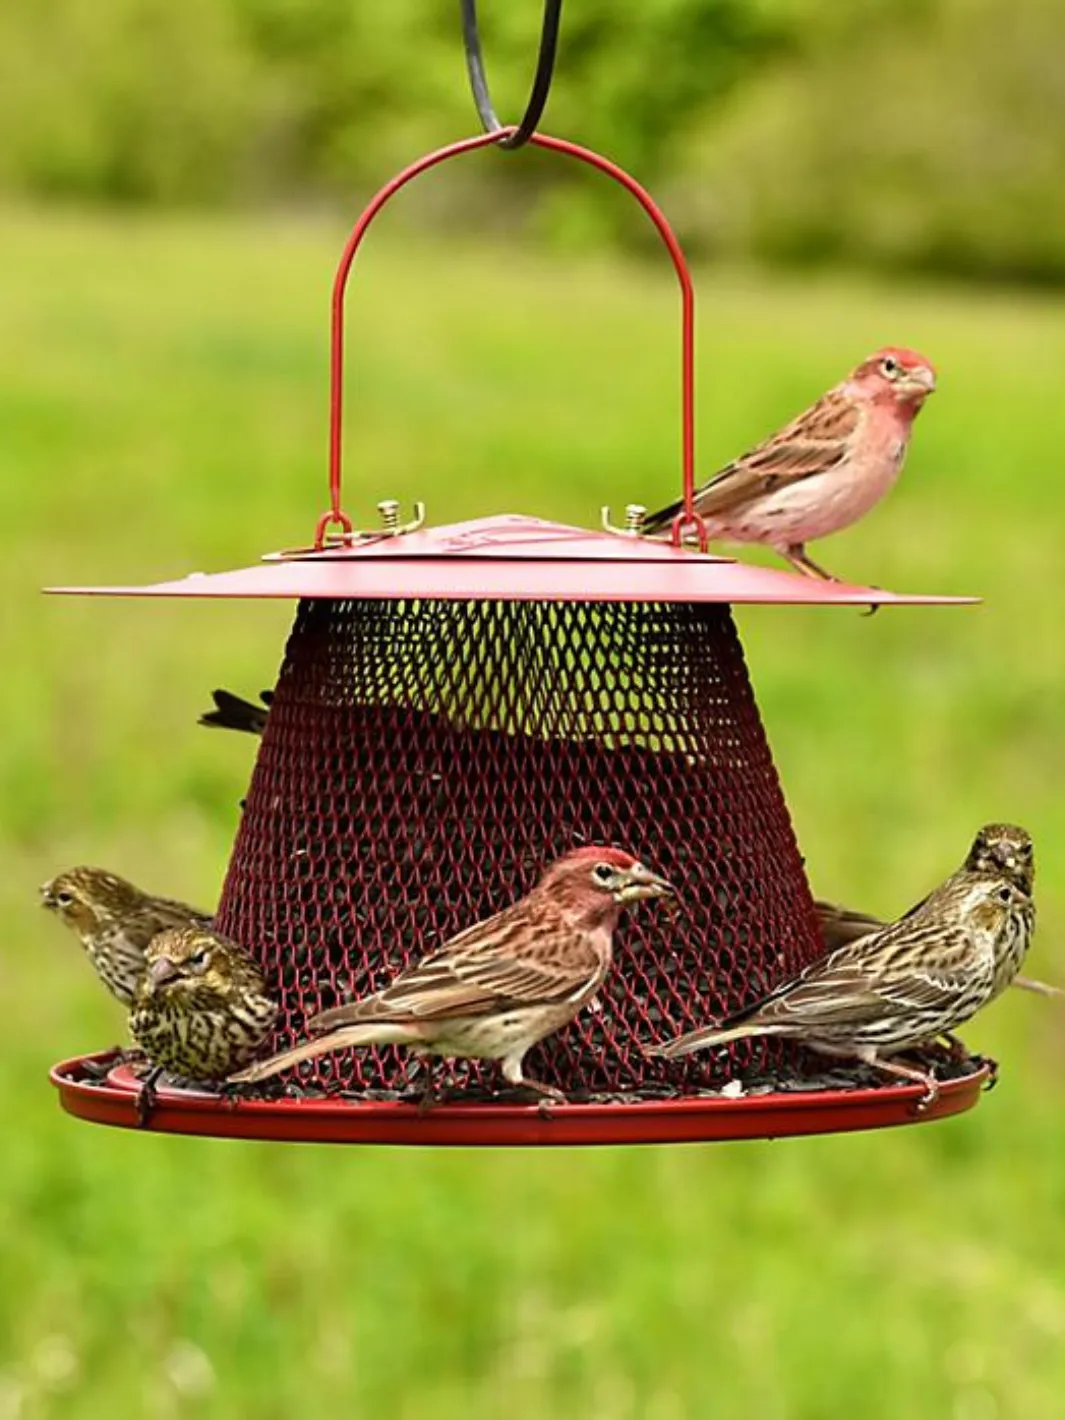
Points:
(163, 409)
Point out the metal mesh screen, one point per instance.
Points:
(423, 761)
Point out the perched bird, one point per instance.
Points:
(898, 988)
(499, 987)
(824, 470)
(115, 921)
(998, 847)
(231, 712)
(201, 1010)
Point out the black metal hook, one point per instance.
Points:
(545, 65)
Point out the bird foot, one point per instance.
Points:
(931, 1094)
(147, 1097)
(991, 1065)
(232, 1092)
(546, 1096)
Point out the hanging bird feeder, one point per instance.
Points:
(457, 706)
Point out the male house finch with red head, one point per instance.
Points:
(231, 712)
(201, 1009)
(499, 987)
(899, 988)
(824, 470)
(998, 847)
(115, 922)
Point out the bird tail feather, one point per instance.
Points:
(700, 1039)
(370, 1034)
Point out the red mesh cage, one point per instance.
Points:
(457, 707)
(424, 760)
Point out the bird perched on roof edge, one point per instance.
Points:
(822, 472)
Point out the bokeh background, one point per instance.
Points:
(176, 182)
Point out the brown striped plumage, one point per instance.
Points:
(901, 987)
(114, 921)
(998, 847)
(497, 988)
(824, 470)
(202, 1010)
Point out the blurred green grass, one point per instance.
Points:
(162, 408)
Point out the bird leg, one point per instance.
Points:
(795, 553)
(430, 1095)
(548, 1094)
(956, 1048)
(146, 1096)
(870, 1056)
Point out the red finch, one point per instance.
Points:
(201, 1010)
(115, 922)
(231, 712)
(824, 470)
(499, 987)
(899, 988)
(998, 847)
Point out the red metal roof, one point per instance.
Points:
(515, 558)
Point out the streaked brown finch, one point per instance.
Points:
(900, 988)
(824, 470)
(201, 1010)
(998, 847)
(502, 985)
(114, 921)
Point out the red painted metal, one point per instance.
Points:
(513, 558)
(457, 706)
(689, 518)
(652, 1122)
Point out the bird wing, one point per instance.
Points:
(484, 970)
(867, 979)
(840, 925)
(813, 443)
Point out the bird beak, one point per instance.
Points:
(47, 900)
(921, 381)
(643, 883)
(161, 971)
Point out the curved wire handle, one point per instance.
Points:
(686, 520)
(545, 66)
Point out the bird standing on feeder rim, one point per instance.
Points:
(201, 1010)
(824, 470)
(900, 988)
(233, 712)
(114, 921)
(502, 985)
(998, 847)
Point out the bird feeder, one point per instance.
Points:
(457, 706)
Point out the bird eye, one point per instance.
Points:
(890, 366)
(603, 873)
(199, 960)
(64, 898)
(1005, 894)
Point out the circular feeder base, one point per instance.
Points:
(90, 1090)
